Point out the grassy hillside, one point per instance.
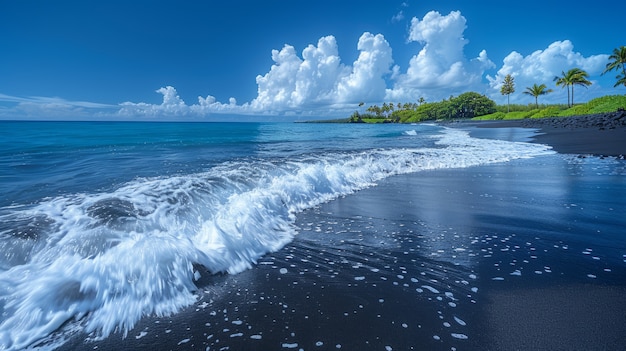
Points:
(603, 104)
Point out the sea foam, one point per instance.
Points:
(107, 259)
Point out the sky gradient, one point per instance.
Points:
(209, 60)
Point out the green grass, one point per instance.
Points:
(490, 117)
(551, 111)
(599, 105)
(507, 116)
(520, 114)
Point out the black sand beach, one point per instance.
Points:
(563, 316)
(526, 255)
(599, 134)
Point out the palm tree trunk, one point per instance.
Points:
(568, 105)
(536, 102)
(572, 95)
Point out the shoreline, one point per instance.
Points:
(436, 267)
(516, 255)
(599, 134)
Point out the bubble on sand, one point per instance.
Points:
(459, 336)
(460, 321)
(433, 290)
(283, 271)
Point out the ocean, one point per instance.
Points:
(259, 236)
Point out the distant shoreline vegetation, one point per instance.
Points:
(478, 107)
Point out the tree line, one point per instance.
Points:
(466, 105)
(472, 104)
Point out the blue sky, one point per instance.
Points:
(207, 60)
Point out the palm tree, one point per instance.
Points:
(564, 81)
(537, 90)
(579, 78)
(375, 109)
(574, 76)
(618, 62)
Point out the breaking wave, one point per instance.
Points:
(110, 258)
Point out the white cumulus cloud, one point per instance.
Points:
(173, 106)
(440, 68)
(541, 66)
(366, 81)
(294, 82)
(320, 79)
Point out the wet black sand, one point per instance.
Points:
(597, 134)
(527, 255)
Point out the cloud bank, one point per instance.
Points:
(316, 80)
